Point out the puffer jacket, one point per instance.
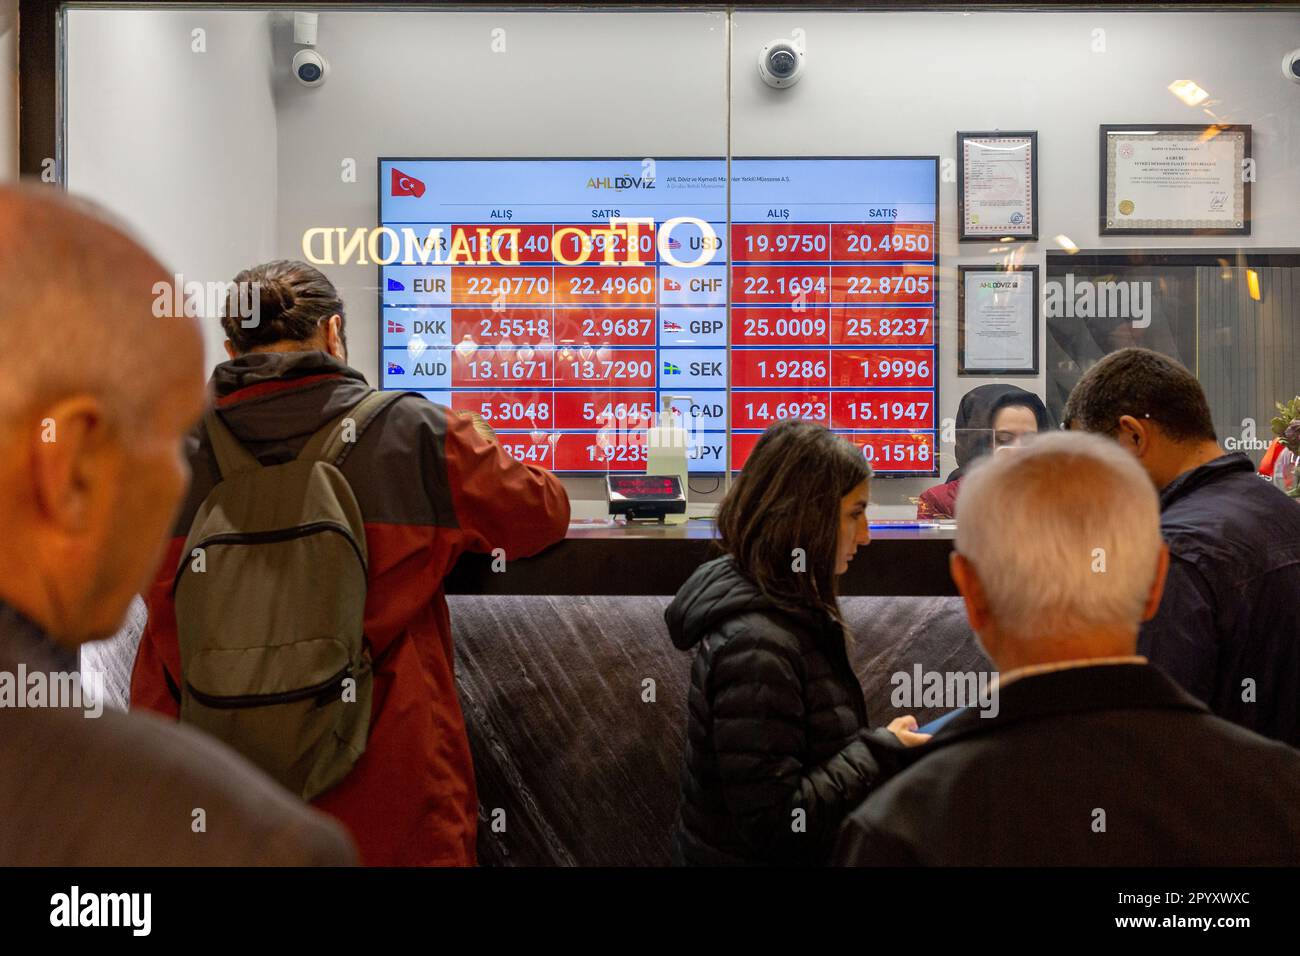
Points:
(778, 750)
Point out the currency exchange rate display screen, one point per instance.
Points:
(569, 301)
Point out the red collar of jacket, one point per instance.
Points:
(263, 373)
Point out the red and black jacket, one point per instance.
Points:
(430, 487)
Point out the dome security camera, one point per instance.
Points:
(781, 63)
(1291, 66)
(310, 67)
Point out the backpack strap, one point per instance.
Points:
(232, 457)
(328, 445)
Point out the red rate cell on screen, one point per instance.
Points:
(498, 244)
(519, 326)
(603, 409)
(612, 451)
(838, 368)
(894, 453)
(492, 366)
(597, 244)
(881, 242)
(506, 410)
(619, 368)
(780, 242)
(882, 368)
(605, 326)
(501, 285)
(761, 409)
(847, 410)
(605, 285)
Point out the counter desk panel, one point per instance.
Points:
(650, 559)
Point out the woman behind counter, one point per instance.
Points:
(778, 750)
(989, 417)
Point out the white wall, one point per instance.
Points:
(179, 143)
(8, 89)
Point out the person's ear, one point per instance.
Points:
(1134, 436)
(972, 592)
(74, 465)
(230, 349)
(334, 338)
(1158, 585)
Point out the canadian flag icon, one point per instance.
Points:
(404, 185)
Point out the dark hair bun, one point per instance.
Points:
(293, 298)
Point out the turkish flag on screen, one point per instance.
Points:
(404, 185)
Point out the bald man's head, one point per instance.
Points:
(96, 394)
(76, 309)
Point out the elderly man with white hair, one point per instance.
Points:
(1092, 756)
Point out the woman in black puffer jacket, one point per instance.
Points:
(778, 750)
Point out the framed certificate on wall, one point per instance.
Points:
(1176, 180)
(997, 185)
(997, 320)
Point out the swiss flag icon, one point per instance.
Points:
(404, 185)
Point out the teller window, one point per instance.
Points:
(634, 238)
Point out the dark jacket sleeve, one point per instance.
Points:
(783, 809)
(1182, 639)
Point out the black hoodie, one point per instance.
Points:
(778, 750)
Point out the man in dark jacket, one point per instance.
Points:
(1228, 629)
(430, 487)
(96, 394)
(1092, 756)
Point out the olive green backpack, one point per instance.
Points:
(270, 600)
